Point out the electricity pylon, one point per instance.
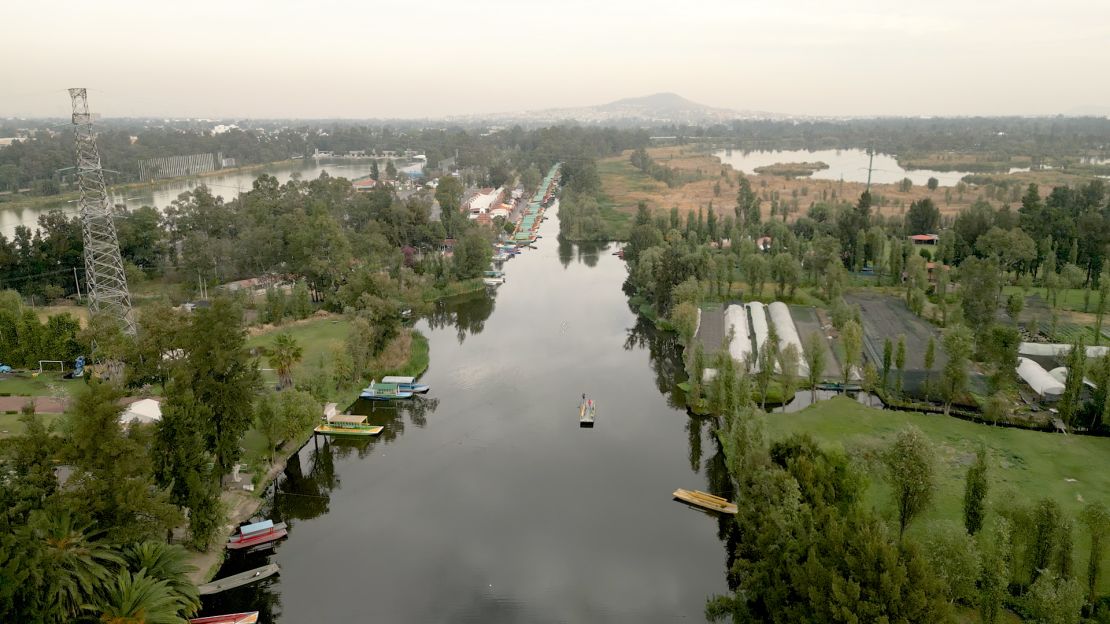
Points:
(105, 279)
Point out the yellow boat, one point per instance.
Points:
(705, 500)
(348, 425)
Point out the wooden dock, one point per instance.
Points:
(238, 580)
(704, 500)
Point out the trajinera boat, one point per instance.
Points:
(384, 392)
(406, 384)
(348, 425)
(250, 617)
(586, 413)
(257, 533)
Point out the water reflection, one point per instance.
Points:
(664, 357)
(466, 313)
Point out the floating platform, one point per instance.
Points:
(238, 580)
(705, 500)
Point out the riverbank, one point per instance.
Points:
(408, 355)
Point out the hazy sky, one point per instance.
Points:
(331, 58)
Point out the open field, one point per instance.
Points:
(885, 317)
(10, 425)
(46, 384)
(1024, 465)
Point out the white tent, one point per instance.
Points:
(1038, 379)
(741, 346)
(1056, 350)
(788, 333)
(143, 411)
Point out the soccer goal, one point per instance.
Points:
(60, 363)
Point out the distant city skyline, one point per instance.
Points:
(339, 59)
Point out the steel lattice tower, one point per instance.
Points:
(106, 280)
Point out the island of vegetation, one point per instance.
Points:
(792, 170)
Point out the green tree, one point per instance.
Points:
(995, 573)
(958, 345)
(900, 362)
(922, 217)
(905, 185)
(472, 255)
(756, 272)
(1097, 520)
(851, 338)
(165, 562)
(75, 562)
(975, 493)
(815, 361)
(979, 290)
(786, 272)
(911, 465)
(1054, 600)
(299, 411)
(449, 194)
(140, 599)
(268, 422)
(283, 355)
(932, 184)
(223, 377)
(954, 557)
(888, 360)
(930, 359)
(789, 359)
(1044, 540)
(1076, 364)
(300, 303)
(684, 318)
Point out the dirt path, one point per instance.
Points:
(43, 404)
(808, 322)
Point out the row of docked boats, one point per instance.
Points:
(393, 387)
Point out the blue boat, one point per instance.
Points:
(406, 384)
(384, 392)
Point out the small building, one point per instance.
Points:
(924, 239)
(932, 270)
(363, 185)
(482, 201)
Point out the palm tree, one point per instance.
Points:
(140, 599)
(283, 355)
(75, 564)
(165, 562)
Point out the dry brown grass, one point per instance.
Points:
(626, 186)
(396, 353)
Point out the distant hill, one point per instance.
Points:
(658, 108)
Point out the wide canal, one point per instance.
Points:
(485, 502)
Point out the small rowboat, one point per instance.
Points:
(251, 617)
(705, 500)
(406, 384)
(238, 580)
(250, 535)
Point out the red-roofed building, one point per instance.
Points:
(364, 184)
(924, 239)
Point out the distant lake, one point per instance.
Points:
(228, 186)
(849, 165)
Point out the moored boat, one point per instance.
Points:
(348, 425)
(257, 533)
(406, 383)
(250, 617)
(384, 392)
(586, 413)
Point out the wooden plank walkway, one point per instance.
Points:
(705, 500)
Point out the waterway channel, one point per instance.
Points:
(484, 501)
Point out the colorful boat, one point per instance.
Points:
(250, 617)
(705, 501)
(408, 384)
(258, 533)
(586, 413)
(348, 425)
(384, 392)
(238, 580)
(491, 278)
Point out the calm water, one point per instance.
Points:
(849, 165)
(228, 186)
(485, 502)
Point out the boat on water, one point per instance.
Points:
(406, 383)
(493, 278)
(250, 617)
(384, 392)
(705, 500)
(238, 580)
(586, 413)
(348, 425)
(251, 535)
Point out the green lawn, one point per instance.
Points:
(1066, 298)
(10, 425)
(45, 384)
(1025, 465)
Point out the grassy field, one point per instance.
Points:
(46, 384)
(1024, 465)
(10, 425)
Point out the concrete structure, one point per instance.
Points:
(736, 319)
(788, 333)
(1039, 379)
(143, 412)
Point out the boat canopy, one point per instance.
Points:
(348, 419)
(257, 527)
(396, 379)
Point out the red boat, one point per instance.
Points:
(258, 533)
(233, 618)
